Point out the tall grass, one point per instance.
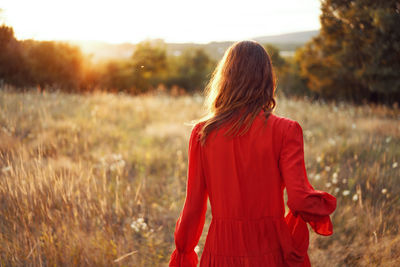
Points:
(99, 180)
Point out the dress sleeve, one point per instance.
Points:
(313, 206)
(190, 223)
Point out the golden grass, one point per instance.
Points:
(99, 180)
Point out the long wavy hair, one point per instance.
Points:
(241, 86)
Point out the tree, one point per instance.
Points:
(149, 64)
(277, 60)
(53, 64)
(12, 62)
(356, 56)
(191, 70)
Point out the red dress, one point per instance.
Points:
(244, 178)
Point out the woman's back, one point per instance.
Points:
(241, 157)
(244, 178)
(246, 195)
(242, 174)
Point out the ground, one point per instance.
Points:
(99, 180)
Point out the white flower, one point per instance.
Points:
(6, 169)
(337, 189)
(317, 177)
(138, 225)
(384, 191)
(353, 125)
(116, 157)
(327, 168)
(197, 249)
(334, 178)
(328, 184)
(344, 180)
(118, 165)
(355, 197)
(346, 192)
(388, 139)
(394, 165)
(319, 159)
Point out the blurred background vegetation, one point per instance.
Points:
(355, 57)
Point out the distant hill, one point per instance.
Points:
(287, 43)
(295, 38)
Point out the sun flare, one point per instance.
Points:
(174, 21)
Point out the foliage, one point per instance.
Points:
(12, 68)
(31, 63)
(287, 72)
(49, 65)
(53, 64)
(191, 70)
(356, 56)
(290, 82)
(149, 63)
(277, 60)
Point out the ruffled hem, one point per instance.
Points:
(179, 259)
(209, 259)
(268, 241)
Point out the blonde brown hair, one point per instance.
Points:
(241, 86)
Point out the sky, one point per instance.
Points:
(120, 21)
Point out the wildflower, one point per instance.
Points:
(344, 180)
(346, 192)
(327, 168)
(334, 178)
(353, 126)
(337, 189)
(138, 225)
(384, 191)
(197, 249)
(355, 197)
(319, 159)
(388, 139)
(317, 177)
(6, 169)
(116, 157)
(394, 165)
(120, 164)
(328, 185)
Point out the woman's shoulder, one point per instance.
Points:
(197, 126)
(283, 123)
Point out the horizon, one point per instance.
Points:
(189, 42)
(175, 21)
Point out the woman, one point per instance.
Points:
(242, 156)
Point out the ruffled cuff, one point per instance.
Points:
(320, 224)
(319, 219)
(187, 259)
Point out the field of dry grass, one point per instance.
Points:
(99, 180)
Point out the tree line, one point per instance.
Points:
(355, 57)
(60, 66)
